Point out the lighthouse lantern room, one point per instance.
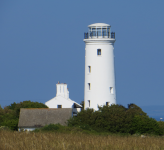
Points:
(99, 86)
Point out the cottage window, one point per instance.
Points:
(59, 106)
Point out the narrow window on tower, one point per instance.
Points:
(89, 86)
(98, 51)
(89, 103)
(107, 103)
(111, 90)
(89, 69)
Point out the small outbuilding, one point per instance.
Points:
(33, 118)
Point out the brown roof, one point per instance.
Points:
(39, 117)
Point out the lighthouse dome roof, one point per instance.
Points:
(99, 25)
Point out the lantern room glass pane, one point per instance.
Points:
(93, 31)
(108, 32)
(99, 31)
(104, 32)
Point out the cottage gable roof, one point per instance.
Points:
(39, 117)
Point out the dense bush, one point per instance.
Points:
(9, 116)
(51, 127)
(161, 125)
(117, 119)
(142, 124)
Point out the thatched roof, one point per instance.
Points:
(39, 117)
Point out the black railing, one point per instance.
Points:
(113, 35)
(86, 35)
(104, 35)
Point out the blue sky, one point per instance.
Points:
(41, 43)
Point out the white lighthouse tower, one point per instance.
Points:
(99, 87)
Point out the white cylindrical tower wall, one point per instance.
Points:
(99, 67)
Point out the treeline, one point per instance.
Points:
(9, 116)
(109, 119)
(117, 119)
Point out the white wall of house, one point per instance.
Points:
(26, 129)
(59, 100)
(62, 99)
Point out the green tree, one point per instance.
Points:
(25, 104)
(8, 118)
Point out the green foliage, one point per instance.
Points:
(25, 104)
(142, 124)
(9, 116)
(108, 119)
(83, 118)
(117, 119)
(51, 127)
(111, 118)
(86, 127)
(4, 128)
(12, 124)
(82, 104)
(161, 125)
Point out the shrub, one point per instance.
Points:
(117, 119)
(161, 127)
(12, 124)
(85, 127)
(144, 124)
(51, 127)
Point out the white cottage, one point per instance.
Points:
(62, 99)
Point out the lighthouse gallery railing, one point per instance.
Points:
(98, 35)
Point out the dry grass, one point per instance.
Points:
(60, 141)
